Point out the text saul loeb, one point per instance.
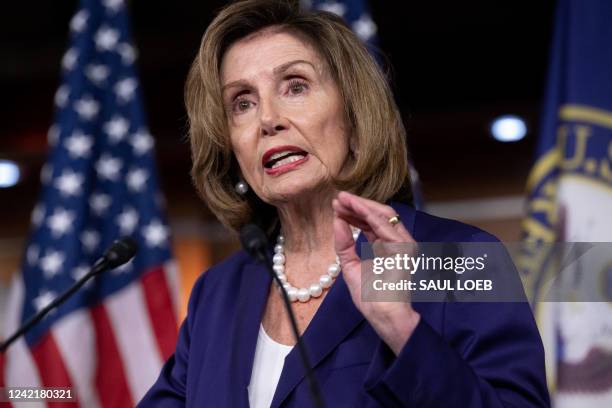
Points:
(435, 285)
(412, 264)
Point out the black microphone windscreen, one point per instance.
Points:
(253, 239)
(121, 251)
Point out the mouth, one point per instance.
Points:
(283, 158)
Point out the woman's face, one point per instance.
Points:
(285, 115)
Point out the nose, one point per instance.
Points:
(271, 119)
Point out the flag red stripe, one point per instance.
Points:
(2, 368)
(111, 381)
(2, 363)
(51, 368)
(161, 310)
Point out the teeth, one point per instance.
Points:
(287, 160)
(279, 154)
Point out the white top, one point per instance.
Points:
(267, 368)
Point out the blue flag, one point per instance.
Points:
(570, 199)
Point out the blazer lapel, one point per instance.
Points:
(252, 296)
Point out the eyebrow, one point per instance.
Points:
(278, 70)
(282, 68)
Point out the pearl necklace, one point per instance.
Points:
(314, 290)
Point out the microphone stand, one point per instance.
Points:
(261, 253)
(121, 252)
(56, 302)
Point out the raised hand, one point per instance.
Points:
(393, 321)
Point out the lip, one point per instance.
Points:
(285, 148)
(285, 167)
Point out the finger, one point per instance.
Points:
(382, 211)
(357, 220)
(386, 247)
(374, 205)
(374, 223)
(344, 243)
(377, 220)
(349, 217)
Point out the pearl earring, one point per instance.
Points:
(241, 187)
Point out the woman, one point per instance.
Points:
(293, 126)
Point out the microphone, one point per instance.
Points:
(255, 242)
(120, 252)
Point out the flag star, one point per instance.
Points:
(38, 213)
(51, 263)
(137, 179)
(116, 128)
(32, 254)
(99, 203)
(69, 183)
(44, 299)
(142, 142)
(53, 135)
(106, 38)
(125, 268)
(155, 234)
(79, 145)
(46, 173)
(108, 167)
(60, 222)
(125, 89)
(113, 5)
(127, 221)
(79, 21)
(87, 107)
(333, 7)
(69, 59)
(80, 272)
(97, 73)
(90, 240)
(127, 52)
(61, 96)
(365, 28)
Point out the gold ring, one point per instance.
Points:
(394, 220)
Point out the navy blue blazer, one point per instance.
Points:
(460, 354)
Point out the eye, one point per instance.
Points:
(297, 86)
(241, 105)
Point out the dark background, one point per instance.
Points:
(455, 67)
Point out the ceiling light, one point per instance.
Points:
(9, 173)
(508, 128)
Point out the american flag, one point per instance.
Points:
(356, 13)
(108, 341)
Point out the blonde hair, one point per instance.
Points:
(379, 170)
